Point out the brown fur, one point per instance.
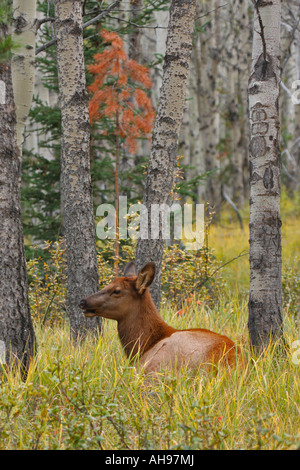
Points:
(143, 332)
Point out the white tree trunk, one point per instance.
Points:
(238, 55)
(23, 62)
(34, 136)
(17, 338)
(206, 56)
(288, 109)
(153, 42)
(163, 158)
(76, 189)
(265, 308)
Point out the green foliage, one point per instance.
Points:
(89, 396)
(181, 272)
(5, 11)
(291, 289)
(41, 175)
(7, 45)
(47, 285)
(40, 200)
(40, 192)
(188, 269)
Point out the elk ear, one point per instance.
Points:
(145, 277)
(130, 269)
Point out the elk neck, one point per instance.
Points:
(143, 327)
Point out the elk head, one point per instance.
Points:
(122, 295)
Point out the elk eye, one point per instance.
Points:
(116, 291)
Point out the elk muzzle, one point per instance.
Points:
(88, 312)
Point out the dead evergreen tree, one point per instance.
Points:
(265, 308)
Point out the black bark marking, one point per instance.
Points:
(19, 24)
(258, 114)
(263, 69)
(253, 90)
(263, 3)
(268, 178)
(260, 128)
(258, 146)
(255, 177)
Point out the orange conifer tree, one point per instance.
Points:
(119, 94)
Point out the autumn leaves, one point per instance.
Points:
(119, 93)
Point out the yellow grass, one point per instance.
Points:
(89, 397)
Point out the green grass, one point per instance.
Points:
(89, 397)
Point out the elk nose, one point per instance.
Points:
(82, 304)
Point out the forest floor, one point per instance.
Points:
(89, 397)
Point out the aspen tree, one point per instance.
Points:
(238, 54)
(208, 99)
(17, 338)
(76, 188)
(265, 305)
(163, 158)
(23, 62)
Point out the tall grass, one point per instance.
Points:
(90, 397)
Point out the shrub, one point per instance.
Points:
(181, 272)
(47, 284)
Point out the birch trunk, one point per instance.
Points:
(135, 35)
(233, 105)
(76, 189)
(206, 62)
(288, 110)
(265, 309)
(163, 156)
(153, 42)
(17, 338)
(35, 139)
(23, 62)
(238, 58)
(296, 141)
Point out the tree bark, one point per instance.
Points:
(238, 53)
(135, 35)
(17, 338)
(208, 99)
(23, 62)
(265, 308)
(76, 188)
(289, 112)
(163, 156)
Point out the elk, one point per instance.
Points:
(146, 336)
